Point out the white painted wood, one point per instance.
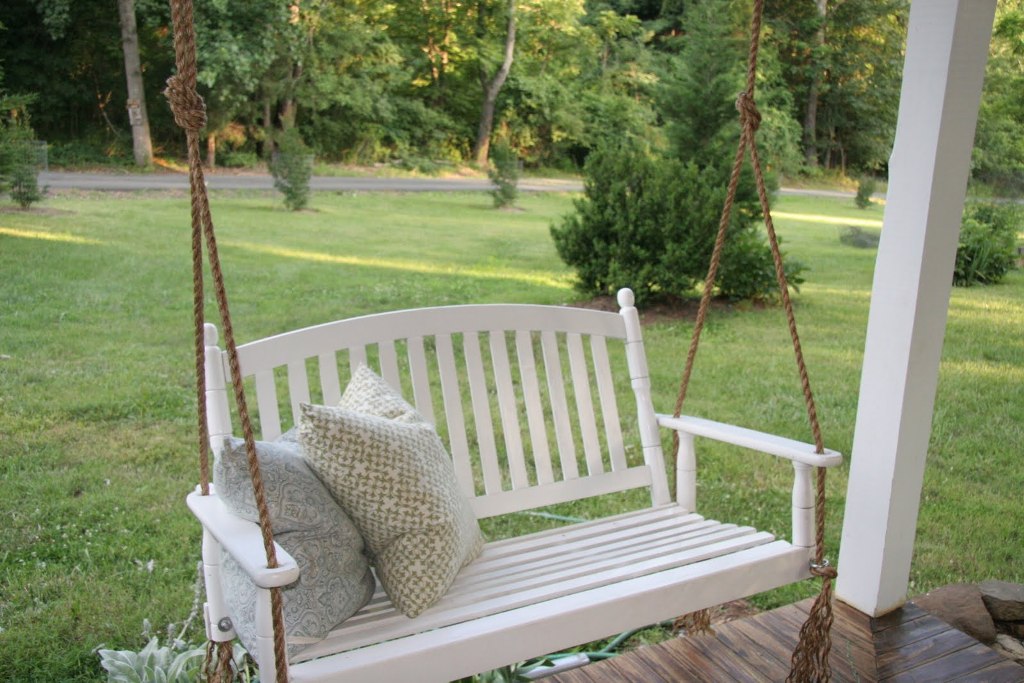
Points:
(771, 444)
(803, 506)
(423, 400)
(947, 46)
(389, 364)
(461, 649)
(243, 541)
(532, 594)
(298, 387)
(266, 403)
(563, 491)
(265, 633)
(686, 472)
(534, 408)
(609, 404)
(330, 384)
(215, 609)
(508, 410)
(218, 415)
(452, 397)
(640, 380)
(486, 447)
(356, 358)
(559, 405)
(584, 403)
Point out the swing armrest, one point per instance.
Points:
(242, 540)
(771, 444)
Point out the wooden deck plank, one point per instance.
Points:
(909, 633)
(719, 652)
(851, 638)
(843, 667)
(906, 646)
(1003, 672)
(761, 658)
(951, 666)
(917, 654)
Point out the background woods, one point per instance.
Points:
(427, 82)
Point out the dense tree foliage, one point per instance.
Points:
(435, 81)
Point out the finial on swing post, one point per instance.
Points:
(625, 298)
(210, 334)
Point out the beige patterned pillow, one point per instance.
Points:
(390, 472)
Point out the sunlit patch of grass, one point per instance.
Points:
(820, 219)
(421, 267)
(47, 236)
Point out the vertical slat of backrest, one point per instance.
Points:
(298, 387)
(508, 410)
(609, 403)
(356, 357)
(420, 379)
(482, 413)
(266, 402)
(534, 407)
(559, 406)
(584, 402)
(330, 385)
(452, 398)
(389, 365)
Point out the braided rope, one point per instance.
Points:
(189, 111)
(810, 658)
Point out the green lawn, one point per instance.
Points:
(96, 424)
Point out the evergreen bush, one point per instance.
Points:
(987, 246)
(865, 189)
(18, 152)
(504, 173)
(292, 167)
(650, 223)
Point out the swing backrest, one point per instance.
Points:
(526, 398)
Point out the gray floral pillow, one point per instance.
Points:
(335, 580)
(389, 470)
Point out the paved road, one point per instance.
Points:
(134, 181)
(176, 181)
(58, 180)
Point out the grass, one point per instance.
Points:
(96, 419)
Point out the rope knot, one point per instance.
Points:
(187, 105)
(749, 115)
(823, 570)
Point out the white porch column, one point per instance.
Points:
(947, 47)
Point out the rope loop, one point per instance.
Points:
(749, 115)
(823, 569)
(187, 105)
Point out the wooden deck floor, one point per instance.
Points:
(906, 645)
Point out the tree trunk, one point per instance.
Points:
(211, 150)
(491, 89)
(813, 92)
(142, 146)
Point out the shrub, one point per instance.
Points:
(650, 224)
(20, 174)
(504, 173)
(987, 247)
(292, 166)
(18, 152)
(865, 189)
(854, 236)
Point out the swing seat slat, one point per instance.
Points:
(525, 398)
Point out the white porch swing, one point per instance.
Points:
(523, 596)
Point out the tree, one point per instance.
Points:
(491, 86)
(142, 146)
(999, 147)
